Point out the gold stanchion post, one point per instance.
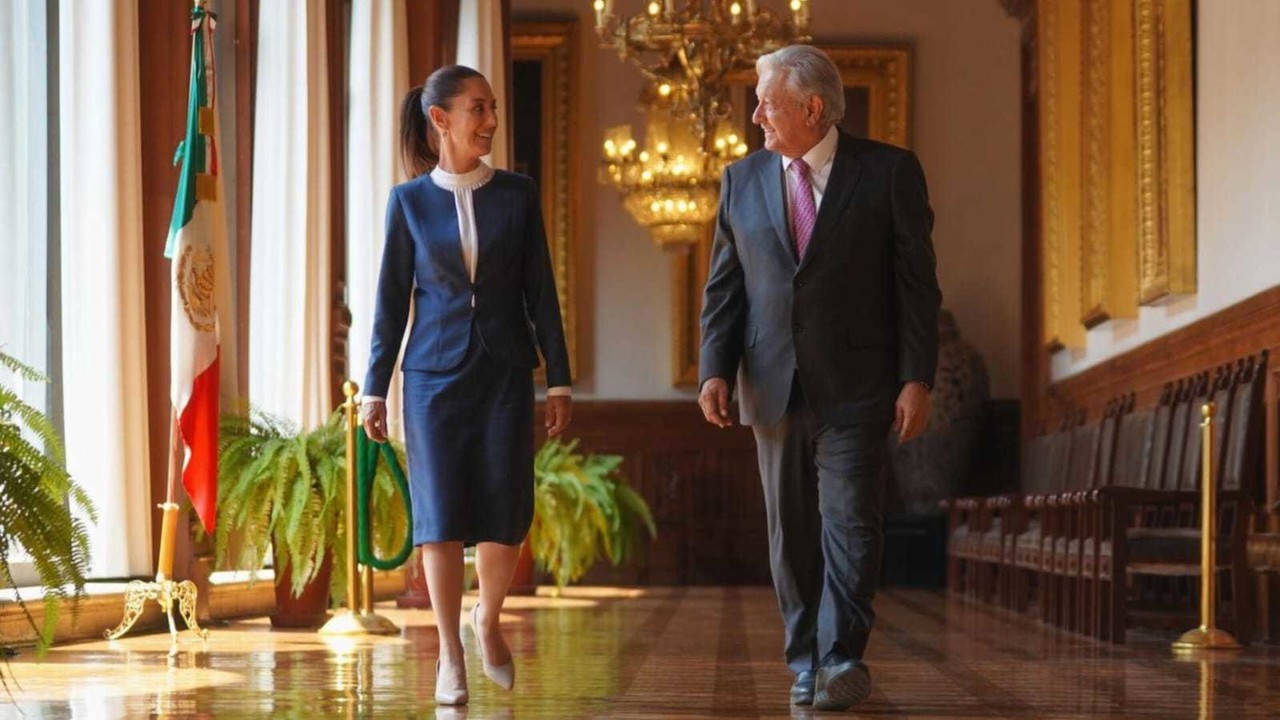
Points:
(359, 619)
(1207, 637)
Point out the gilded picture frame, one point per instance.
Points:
(544, 121)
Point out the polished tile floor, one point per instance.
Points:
(659, 653)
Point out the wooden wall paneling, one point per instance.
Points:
(245, 68)
(433, 36)
(702, 484)
(691, 269)
(1035, 357)
(1269, 522)
(1272, 447)
(1247, 327)
(337, 32)
(1059, 58)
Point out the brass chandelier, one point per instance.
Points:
(686, 49)
(671, 185)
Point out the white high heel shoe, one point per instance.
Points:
(504, 676)
(450, 694)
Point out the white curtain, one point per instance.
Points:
(24, 178)
(379, 79)
(290, 295)
(480, 46)
(103, 332)
(24, 161)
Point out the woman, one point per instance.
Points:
(466, 245)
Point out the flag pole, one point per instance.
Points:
(169, 527)
(165, 590)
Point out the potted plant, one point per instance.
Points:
(583, 510)
(37, 497)
(286, 489)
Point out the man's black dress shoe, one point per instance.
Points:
(841, 685)
(802, 688)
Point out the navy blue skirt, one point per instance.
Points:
(469, 438)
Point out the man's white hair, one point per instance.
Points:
(808, 71)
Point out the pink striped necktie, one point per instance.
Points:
(803, 212)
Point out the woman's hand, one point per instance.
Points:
(559, 414)
(373, 414)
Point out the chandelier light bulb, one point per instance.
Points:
(670, 182)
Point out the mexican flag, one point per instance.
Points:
(196, 245)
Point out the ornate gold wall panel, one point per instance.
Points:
(1109, 231)
(549, 52)
(1059, 34)
(877, 81)
(1117, 159)
(1166, 149)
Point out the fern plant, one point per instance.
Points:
(286, 489)
(583, 510)
(37, 499)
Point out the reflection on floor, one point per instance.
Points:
(657, 653)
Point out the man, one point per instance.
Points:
(823, 300)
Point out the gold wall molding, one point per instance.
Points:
(883, 73)
(1109, 232)
(1060, 136)
(1166, 149)
(1117, 160)
(553, 45)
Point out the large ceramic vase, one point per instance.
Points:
(935, 465)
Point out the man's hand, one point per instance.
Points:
(373, 414)
(714, 401)
(558, 415)
(911, 412)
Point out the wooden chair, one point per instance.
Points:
(1167, 552)
(1059, 518)
(1069, 560)
(1024, 543)
(976, 527)
(1103, 558)
(1133, 454)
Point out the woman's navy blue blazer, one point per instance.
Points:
(512, 304)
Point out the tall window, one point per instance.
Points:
(27, 274)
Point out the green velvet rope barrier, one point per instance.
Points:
(367, 453)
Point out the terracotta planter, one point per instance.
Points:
(309, 610)
(523, 581)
